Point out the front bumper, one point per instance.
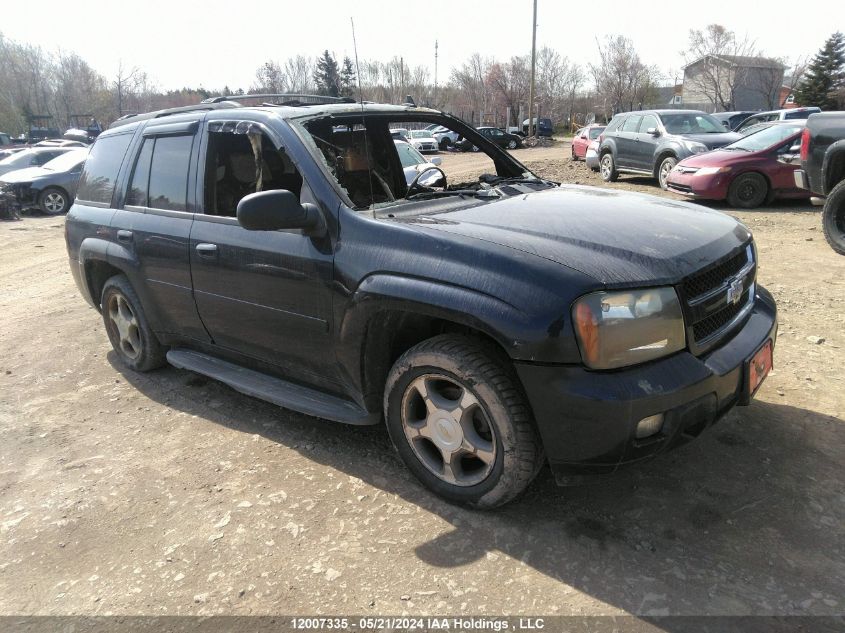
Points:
(587, 419)
(712, 187)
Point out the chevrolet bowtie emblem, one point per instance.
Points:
(735, 291)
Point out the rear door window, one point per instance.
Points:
(137, 195)
(631, 123)
(168, 187)
(97, 181)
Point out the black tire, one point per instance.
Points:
(574, 155)
(445, 143)
(666, 165)
(133, 341)
(748, 191)
(833, 218)
(53, 201)
(497, 407)
(607, 168)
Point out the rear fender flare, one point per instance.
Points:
(833, 165)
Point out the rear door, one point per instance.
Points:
(262, 294)
(626, 139)
(154, 224)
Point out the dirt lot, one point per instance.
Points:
(166, 493)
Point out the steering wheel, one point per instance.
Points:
(415, 183)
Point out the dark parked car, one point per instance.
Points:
(651, 142)
(500, 137)
(823, 171)
(493, 324)
(753, 170)
(731, 120)
(50, 188)
(543, 127)
(32, 157)
(788, 114)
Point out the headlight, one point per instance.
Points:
(616, 329)
(695, 147)
(709, 171)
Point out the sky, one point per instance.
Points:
(222, 42)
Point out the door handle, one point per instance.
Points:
(207, 250)
(124, 235)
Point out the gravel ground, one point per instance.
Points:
(166, 493)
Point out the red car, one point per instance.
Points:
(583, 138)
(755, 169)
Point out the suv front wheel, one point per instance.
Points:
(608, 168)
(131, 337)
(460, 422)
(666, 166)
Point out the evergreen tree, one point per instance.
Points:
(825, 75)
(327, 76)
(347, 78)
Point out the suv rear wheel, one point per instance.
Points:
(460, 423)
(833, 218)
(608, 168)
(131, 337)
(667, 165)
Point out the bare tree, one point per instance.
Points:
(472, 80)
(510, 81)
(270, 78)
(623, 82)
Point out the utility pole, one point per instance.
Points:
(435, 74)
(533, 65)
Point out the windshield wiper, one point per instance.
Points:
(476, 193)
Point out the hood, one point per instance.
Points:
(618, 238)
(712, 140)
(717, 158)
(27, 174)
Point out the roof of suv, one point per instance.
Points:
(282, 111)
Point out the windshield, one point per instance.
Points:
(68, 161)
(595, 132)
(409, 156)
(691, 123)
(765, 138)
(420, 134)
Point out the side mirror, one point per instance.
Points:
(436, 160)
(653, 131)
(583, 136)
(795, 149)
(276, 210)
(726, 125)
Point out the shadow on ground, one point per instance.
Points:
(746, 520)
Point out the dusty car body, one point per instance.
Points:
(494, 324)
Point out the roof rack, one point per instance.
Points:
(131, 118)
(288, 99)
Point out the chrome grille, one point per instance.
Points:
(719, 297)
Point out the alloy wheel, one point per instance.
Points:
(54, 202)
(448, 430)
(126, 325)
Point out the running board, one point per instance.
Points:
(280, 392)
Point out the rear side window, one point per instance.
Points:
(160, 179)
(614, 123)
(800, 114)
(97, 181)
(631, 123)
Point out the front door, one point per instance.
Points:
(264, 294)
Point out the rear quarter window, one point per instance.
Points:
(614, 124)
(98, 178)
